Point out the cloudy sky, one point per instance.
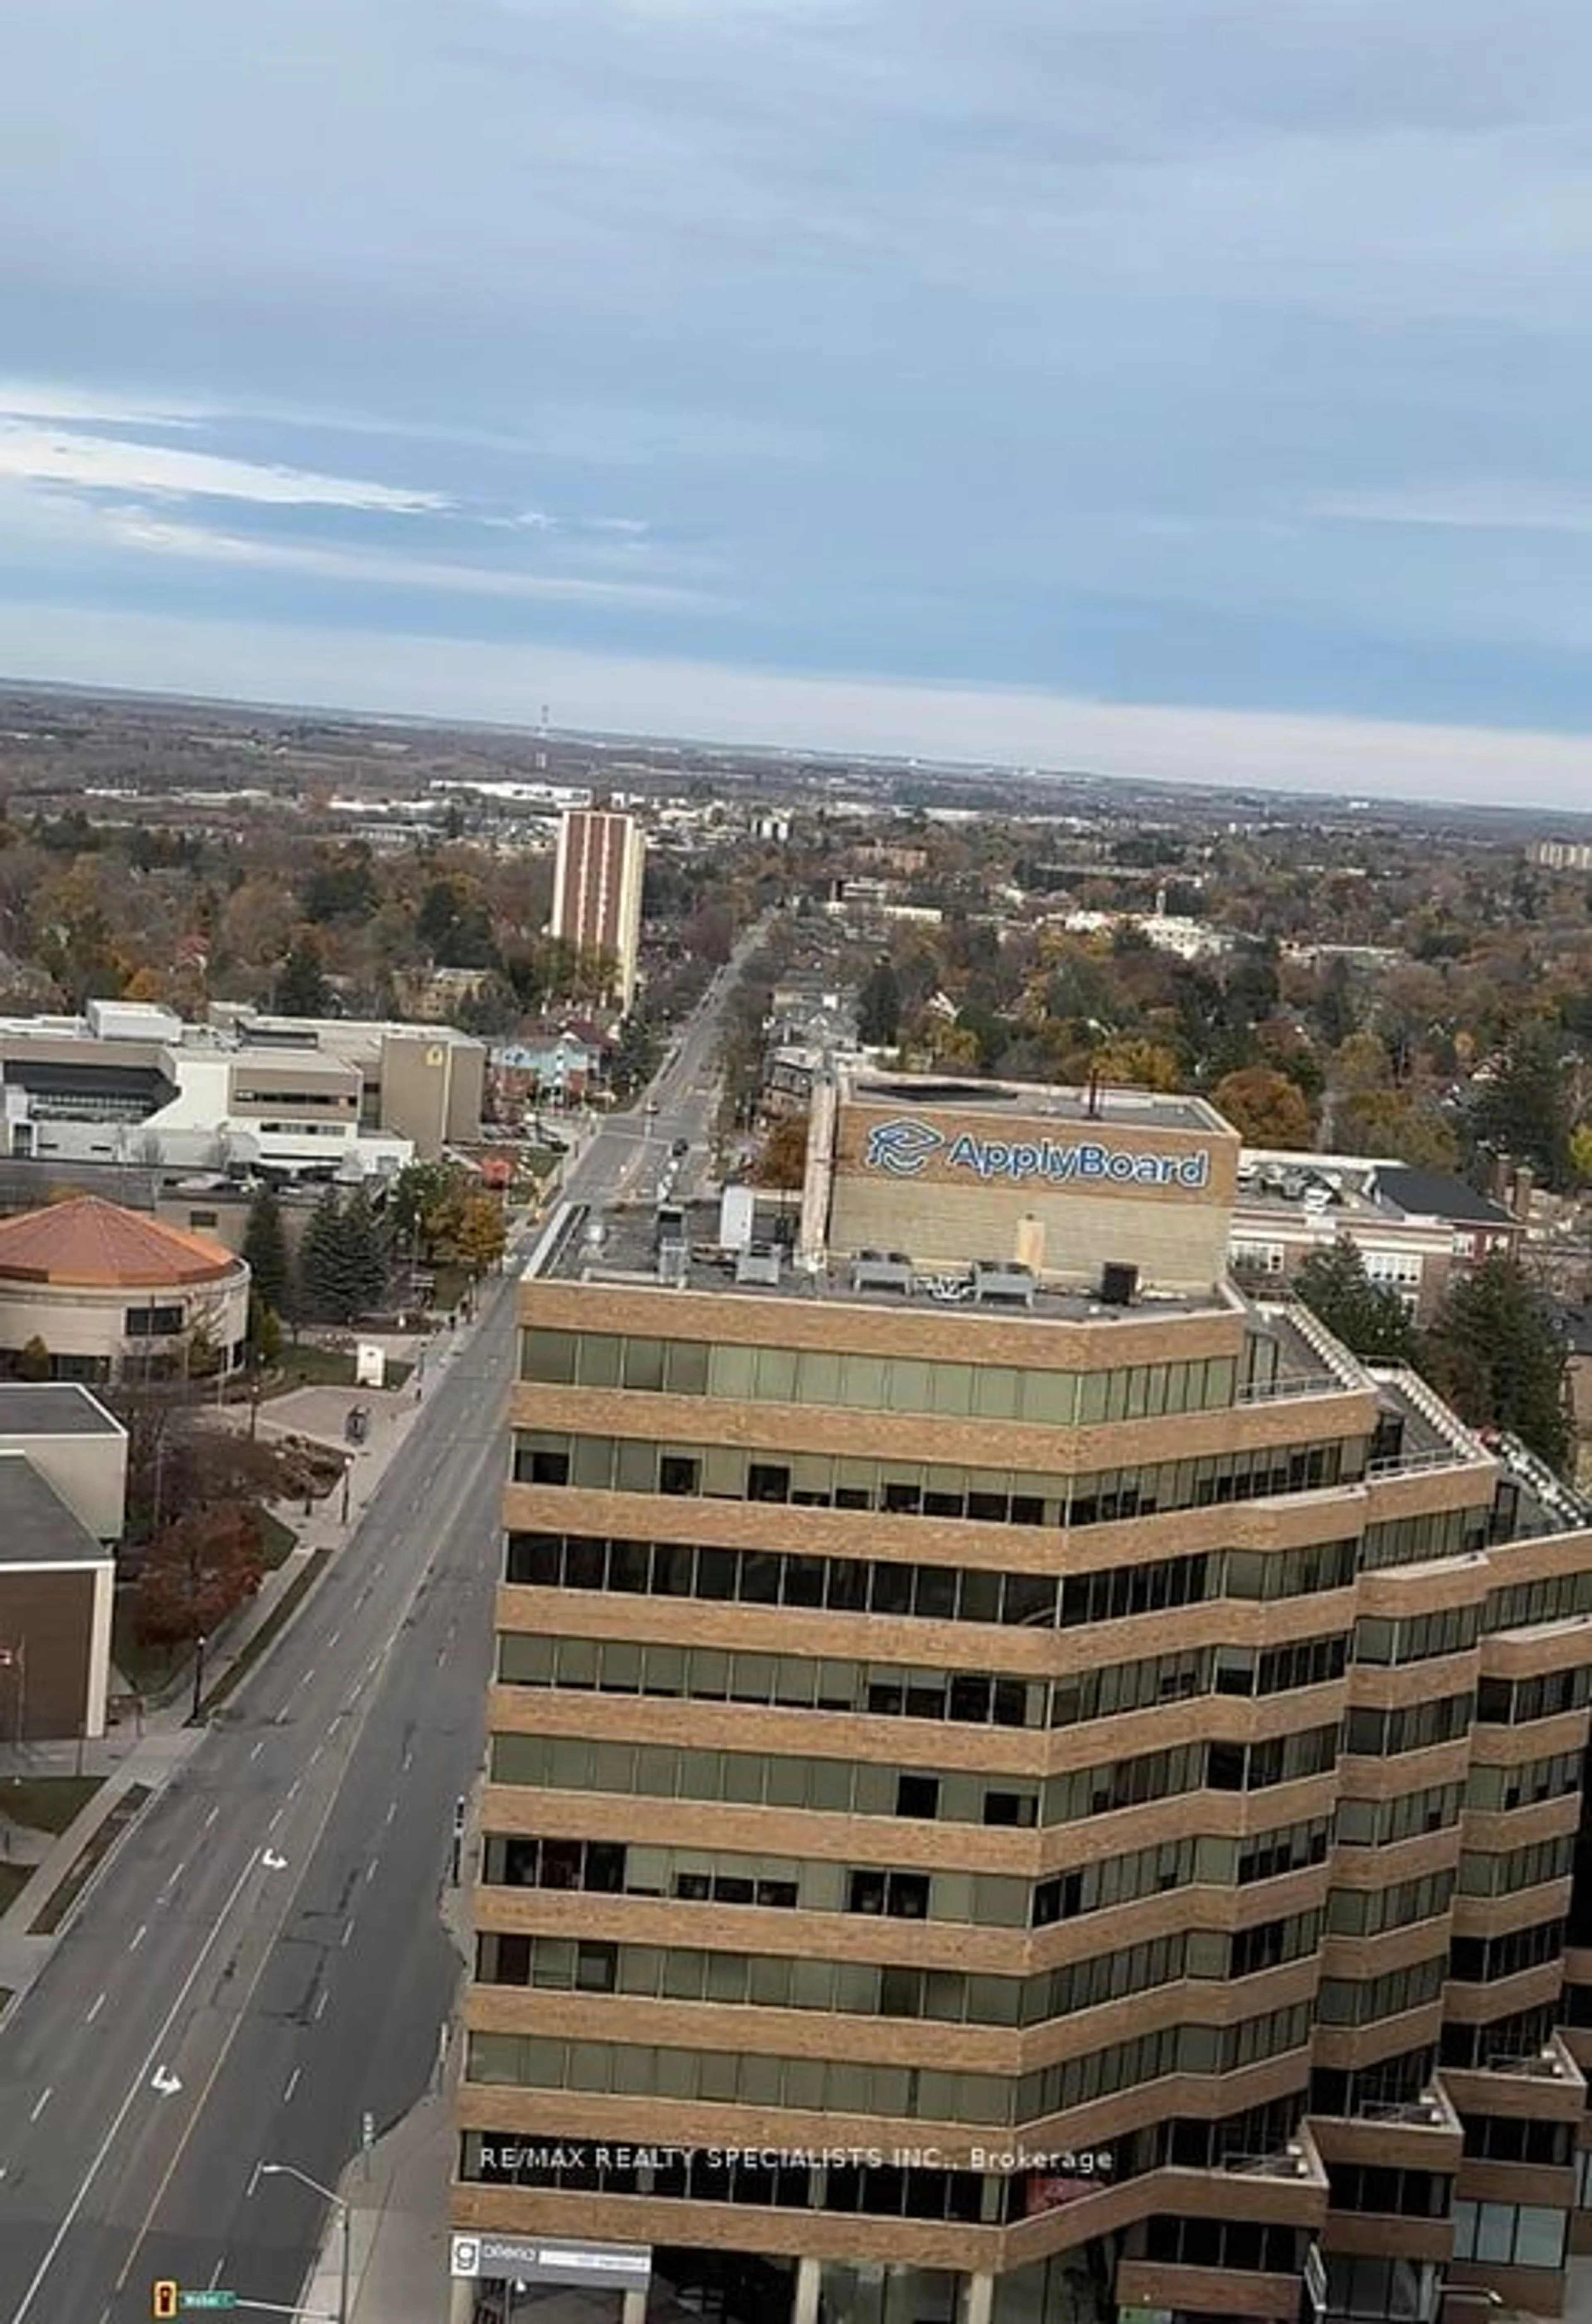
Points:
(1177, 386)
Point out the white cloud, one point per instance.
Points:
(88, 463)
(136, 528)
(1464, 505)
(27, 400)
(439, 677)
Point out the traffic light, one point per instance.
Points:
(164, 2299)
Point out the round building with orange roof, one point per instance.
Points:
(104, 1291)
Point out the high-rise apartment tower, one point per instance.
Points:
(596, 900)
(1025, 1787)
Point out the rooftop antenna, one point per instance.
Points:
(542, 753)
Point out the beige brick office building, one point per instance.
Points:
(1008, 1805)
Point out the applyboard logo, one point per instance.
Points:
(901, 1146)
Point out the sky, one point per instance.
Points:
(1188, 388)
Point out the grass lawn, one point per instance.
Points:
(308, 1366)
(47, 1802)
(277, 1540)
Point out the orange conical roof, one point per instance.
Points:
(99, 1245)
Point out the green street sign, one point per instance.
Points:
(209, 2298)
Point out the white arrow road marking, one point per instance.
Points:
(164, 2081)
(273, 1862)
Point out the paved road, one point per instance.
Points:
(270, 1940)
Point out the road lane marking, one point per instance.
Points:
(218, 2272)
(40, 2102)
(139, 1935)
(259, 1747)
(93, 2013)
(393, 1805)
(336, 1635)
(293, 2084)
(320, 2005)
(135, 2089)
(347, 1932)
(210, 1819)
(292, 1788)
(370, 1869)
(275, 1820)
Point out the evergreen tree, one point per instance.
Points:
(365, 1251)
(1524, 1109)
(878, 1006)
(302, 989)
(1368, 1317)
(320, 1258)
(265, 1247)
(1496, 1352)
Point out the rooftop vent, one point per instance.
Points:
(1002, 1283)
(1119, 1283)
(882, 1270)
(758, 1263)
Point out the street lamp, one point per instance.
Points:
(198, 1678)
(15, 1660)
(291, 2171)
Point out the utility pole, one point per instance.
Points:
(198, 1679)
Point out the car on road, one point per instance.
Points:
(682, 1146)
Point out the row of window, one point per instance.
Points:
(889, 1691)
(1453, 1630)
(1555, 1597)
(1518, 2037)
(731, 1472)
(1364, 2001)
(845, 1787)
(693, 1875)
(1385, 1734)
(864, 1988)
(1520, 2138)
(1392, 2194)
(1512, 1870)
(909, 2093)
(1417, 1540)
(934, 1593)
(1239, 2244)
(1378, 1823)
(1492, 1787)
(1482, 1961)
(895, 1384)
(1510, 2235)
(1366, 1912)
(1365, 2091)
(1510, 1703)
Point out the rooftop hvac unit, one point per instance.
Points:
(1002, 1283)
(882, 1270)
(758, 1263)
(1119, 1283)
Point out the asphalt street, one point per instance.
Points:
(264, 1964)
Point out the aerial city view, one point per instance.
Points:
(795, 1162)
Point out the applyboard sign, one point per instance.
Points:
(903, 1148)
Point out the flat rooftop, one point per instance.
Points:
(859, 1084)
(52, 1408)
(36, 1526)
(621, 1245)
